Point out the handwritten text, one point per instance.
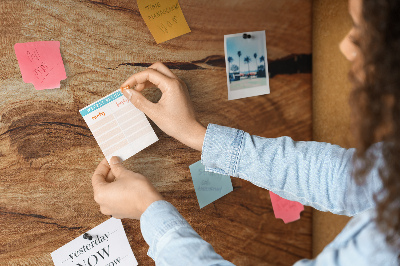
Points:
(122, 102)
(164, 11)
(100, 114)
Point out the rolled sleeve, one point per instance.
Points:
(313, 173)
(222, 148)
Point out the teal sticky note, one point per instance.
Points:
(209, 186)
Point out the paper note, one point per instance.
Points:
(284, 209)
(109, 246)
(209, 186)
(118, 126)
(164, 18)
(41, 64)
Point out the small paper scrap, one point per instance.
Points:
(209, 186)
(41, 64)
(108, 246)
(118, 126)
(288, 211)
(164, 18)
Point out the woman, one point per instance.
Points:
(317, 174)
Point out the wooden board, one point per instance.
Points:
(48, 154)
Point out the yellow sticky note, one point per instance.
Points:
(164, 18)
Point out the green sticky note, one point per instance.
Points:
(209, 186)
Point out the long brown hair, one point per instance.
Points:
(376, 105)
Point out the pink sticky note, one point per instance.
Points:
(41, 64)
(284, 209)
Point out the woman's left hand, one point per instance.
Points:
(121, 192)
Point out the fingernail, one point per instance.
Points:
(129, 92)
(115, 160)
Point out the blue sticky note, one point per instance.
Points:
(209, 186)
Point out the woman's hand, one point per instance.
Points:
(120, 192)
(173, 113)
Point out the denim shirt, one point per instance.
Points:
(312, 173)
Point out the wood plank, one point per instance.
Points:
(48, 154)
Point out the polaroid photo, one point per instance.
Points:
(246, 64)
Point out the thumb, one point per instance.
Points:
(100, 174)
(138, 100)
(116, 166)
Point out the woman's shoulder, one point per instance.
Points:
(366, 242)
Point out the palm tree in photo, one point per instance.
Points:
(239, 54)
(262, 59)
(230, 59)
(255, 58)
(247, 60)
(234, 68)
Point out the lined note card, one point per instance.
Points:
(41, 64)
(164, 18)
(109, 246)
(118, 126)
(287, 210)
(209, 186)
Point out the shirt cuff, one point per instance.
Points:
(158, 219)
(222, 147)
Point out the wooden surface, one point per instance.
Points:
(48, 154)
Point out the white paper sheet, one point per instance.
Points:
(109, 247)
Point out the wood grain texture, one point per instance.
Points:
(48, 154)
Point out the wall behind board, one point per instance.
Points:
(331, 89)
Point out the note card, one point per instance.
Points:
(118, 126)
(164, 18)
(109, 246)
(288, 211)
(209, 186)
(41, 64)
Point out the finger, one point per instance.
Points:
(143, 86)
(100, 174)
(116, 166)
(110, 177)
(160, 67)
(117, 216)
(140, 102)
(160, 80)
(105, 210)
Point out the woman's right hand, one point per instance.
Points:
(173, 113)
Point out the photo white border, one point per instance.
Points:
(248, 92)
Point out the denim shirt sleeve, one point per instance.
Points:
(312, 173)
(359, 243)
(172, 241)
